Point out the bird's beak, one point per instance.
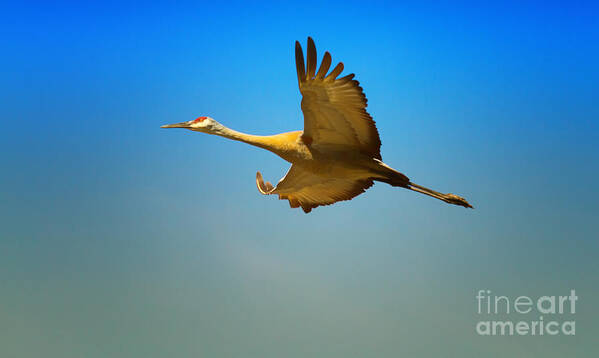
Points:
(176, 125)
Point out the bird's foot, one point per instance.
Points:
(457, 200)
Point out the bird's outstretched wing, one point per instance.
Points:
(334, 108)
(308, 190)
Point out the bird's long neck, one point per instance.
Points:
(285, 145)
(266, 142)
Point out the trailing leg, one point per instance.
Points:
(395, 178)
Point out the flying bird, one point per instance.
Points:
(337, 155)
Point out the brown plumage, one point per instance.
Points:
(337, 155)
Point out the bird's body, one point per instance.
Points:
(337, 155)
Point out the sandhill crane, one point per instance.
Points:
(337, 155)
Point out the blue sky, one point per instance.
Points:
(122, 239)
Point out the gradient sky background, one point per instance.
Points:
(119, 239)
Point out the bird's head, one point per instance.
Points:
(200, 124)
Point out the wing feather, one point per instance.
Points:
(334, 108)
(335, 72)
(311, 60)
(307, 190)
(324, 66)
(299, 62)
